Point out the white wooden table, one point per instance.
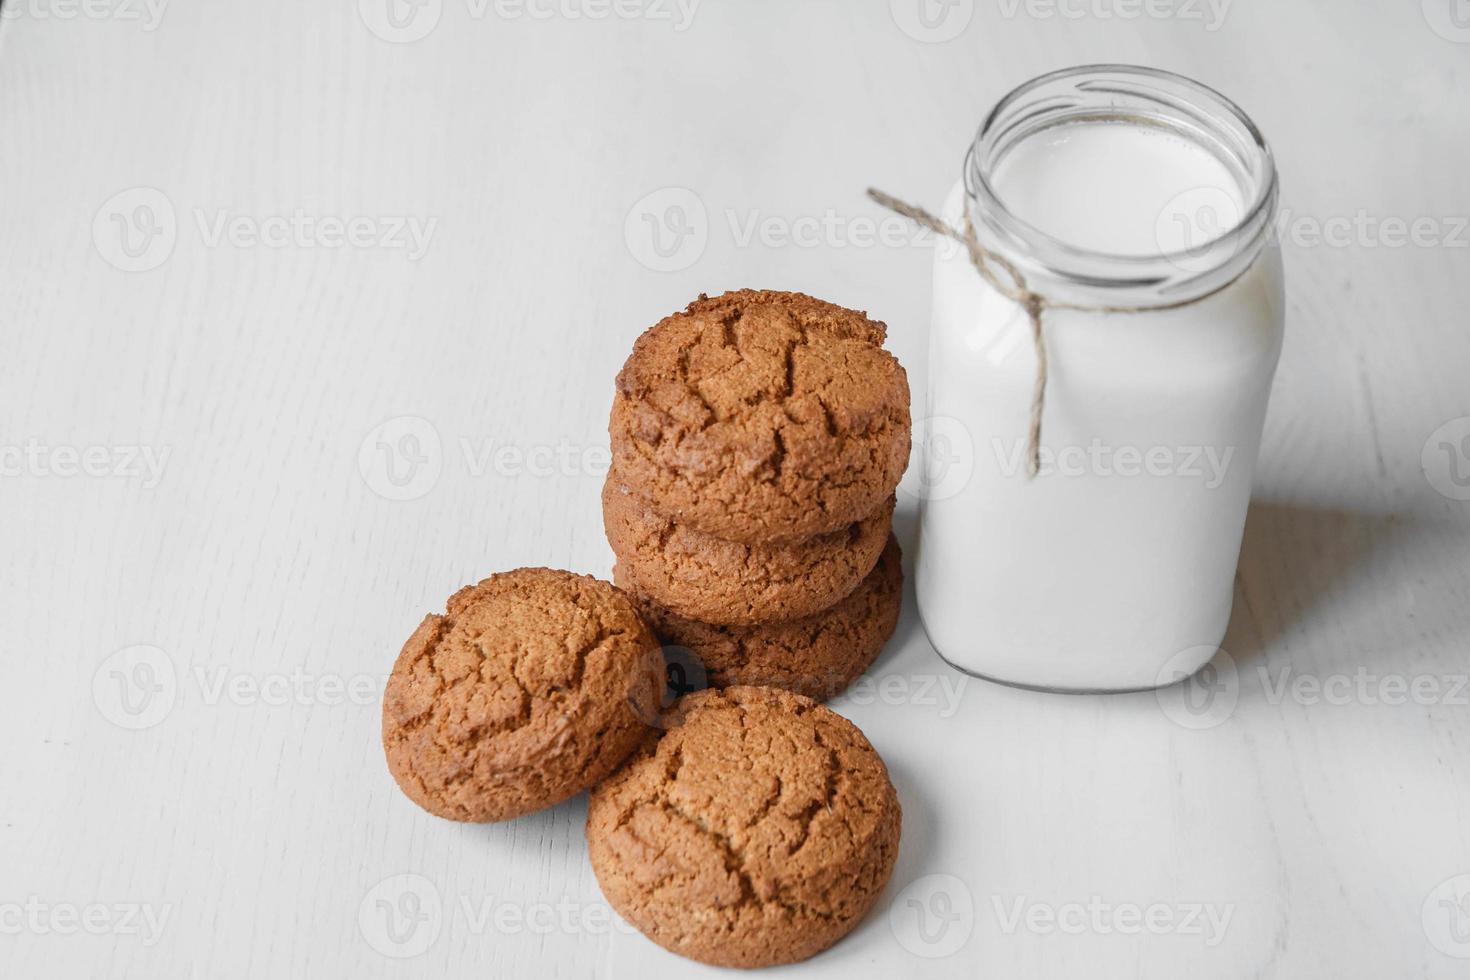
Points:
(310, 316)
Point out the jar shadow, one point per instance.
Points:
(1295, 561)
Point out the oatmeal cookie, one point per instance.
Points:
(762, 416)
(531, 688)
(757, 831)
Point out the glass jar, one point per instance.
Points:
(1138, 204)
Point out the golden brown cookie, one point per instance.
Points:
(818, 656)
(757, 831)
(532, 687)
(762, 416)
(702, 577)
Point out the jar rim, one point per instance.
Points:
(1138, 95)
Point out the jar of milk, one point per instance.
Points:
(1138, 205)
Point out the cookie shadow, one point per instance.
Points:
(917, 856)
(566, 820)
(906, 531)
(918, 843)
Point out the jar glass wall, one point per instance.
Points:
(1139, 204)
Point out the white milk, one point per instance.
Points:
(1113, 569)
(1102, 185)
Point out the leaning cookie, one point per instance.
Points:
(818, 656)
(700, 577)
(531, 688)
(758, 831)
(762, 416)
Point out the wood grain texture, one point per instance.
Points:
(262, 826)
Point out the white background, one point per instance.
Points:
(264, 837)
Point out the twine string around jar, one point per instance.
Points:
(1005, 278)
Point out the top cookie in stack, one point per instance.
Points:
(761, 416)
(757, 440)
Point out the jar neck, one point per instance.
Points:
(1214, 254)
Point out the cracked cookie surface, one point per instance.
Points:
(758, 830)
(818, 655)
(700, 577)
(532, 686)
(762, 416)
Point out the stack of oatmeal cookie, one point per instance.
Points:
(757, 440)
